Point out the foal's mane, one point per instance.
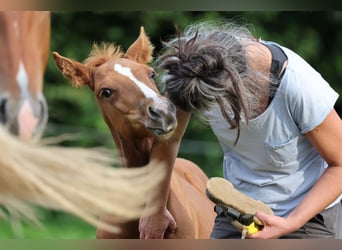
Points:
(103, 52)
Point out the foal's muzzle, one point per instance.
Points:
(161, 116)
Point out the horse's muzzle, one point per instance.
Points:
(161, 117)
(26, 118)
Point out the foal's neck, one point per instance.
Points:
(134, 146)
(134, 151)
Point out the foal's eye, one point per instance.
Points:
(153, 74)
(106, 93)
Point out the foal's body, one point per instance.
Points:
(138, 116)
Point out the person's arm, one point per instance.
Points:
(327, 139)
(165, 152)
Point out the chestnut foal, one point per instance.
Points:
(137, 116)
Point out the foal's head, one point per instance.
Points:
(124, 88)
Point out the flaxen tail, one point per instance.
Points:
(80, 181)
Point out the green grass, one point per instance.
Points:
(55, 225)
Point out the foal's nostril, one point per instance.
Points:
(161, 118)
(3, 112)
(154, 113)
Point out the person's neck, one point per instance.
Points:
(259, 60)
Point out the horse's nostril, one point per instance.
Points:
(153, 113)
(43, 112)
(3, 113)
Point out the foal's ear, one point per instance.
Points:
(141, 50)
(76, 72)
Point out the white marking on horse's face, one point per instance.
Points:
(22, 79)
(147, 91)
(16, 28)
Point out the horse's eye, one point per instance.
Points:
(153, 74)
(106, 93)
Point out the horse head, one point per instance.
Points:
(24, 49)
(124, 87)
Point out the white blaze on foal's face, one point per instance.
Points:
(126, 71)
(147, 91)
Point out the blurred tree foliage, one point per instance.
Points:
(317, 36)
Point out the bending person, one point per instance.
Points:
(274, 117)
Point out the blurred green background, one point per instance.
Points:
(317, 36)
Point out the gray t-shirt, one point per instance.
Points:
(273, 161)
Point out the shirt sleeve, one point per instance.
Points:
(310, 97)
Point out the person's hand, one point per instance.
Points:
(155, 226)
(274, 227)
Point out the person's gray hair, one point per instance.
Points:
(206, 65)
